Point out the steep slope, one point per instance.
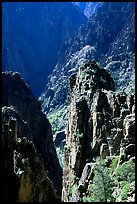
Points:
(119, 40)
(118, 54)
(28, 132)
(120, 58)
(101, 123)
(23, 175)
(88, 8)
(32, 36)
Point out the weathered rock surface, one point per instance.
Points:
(23, 173)
(27, 120)
(101, 123)
(117, 56)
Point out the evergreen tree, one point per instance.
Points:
(102, 187)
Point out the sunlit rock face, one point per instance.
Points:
(32, 34)
(101, 122)
(110, 44)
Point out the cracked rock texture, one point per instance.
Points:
(28, 152)
(101, 122)
(117, 56)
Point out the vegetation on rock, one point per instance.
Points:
(111, 187)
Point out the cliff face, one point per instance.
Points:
(23, 173)
(29, 154)
(120, 58)
(117, 56)
(101, 123)
(32, 36)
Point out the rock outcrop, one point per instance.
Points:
(23, 173)
(101, 124)
(117, 56)
(28, 151)
(88, 8)
(32, 36)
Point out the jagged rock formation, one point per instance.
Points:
(101, 123)
(23, 173)
(55, 91)
(32, 36)
(88, 8)
(118, 54)
(119, 39)
(29, 155)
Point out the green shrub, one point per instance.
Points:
(71, 189)
(125, 175)
(124, 192)
(126, 171)
(53, 119)
(113, 165)
(54, 130)
(102, 187)
(108, 179)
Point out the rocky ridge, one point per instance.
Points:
(101, 123)
(28, 153)
(117, 56)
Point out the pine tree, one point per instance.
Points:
(102, 187)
